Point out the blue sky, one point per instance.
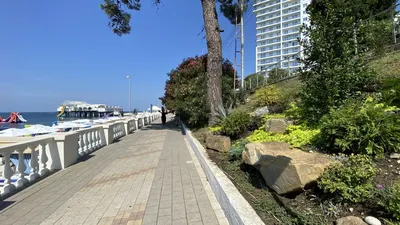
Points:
(51, 51)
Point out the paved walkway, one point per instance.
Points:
(149, 177)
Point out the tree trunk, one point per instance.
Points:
(214, 59)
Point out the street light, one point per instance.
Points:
(129, 78)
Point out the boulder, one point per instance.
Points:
(276, 125)
(284, 169)
(350, 220)
(372, 220)
(219, 143)
(395, 156)
(261, 111)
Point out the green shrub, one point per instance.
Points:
(267, 96)
(293, 112)
(350, 181)
(297, 136)
(365, 128)
(235, 153)
(235, 124)
(389, 198)
(391, 91)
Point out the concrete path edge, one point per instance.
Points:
(237, 210)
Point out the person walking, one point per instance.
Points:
(163, 115)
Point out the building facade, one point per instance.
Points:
(278, 25)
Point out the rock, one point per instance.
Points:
(350, 220)
(276, 126)
(219, 143)
(351, 209)
(395, 156)
(372, 220)
(284, 169)
(261, 111)
(398, 161)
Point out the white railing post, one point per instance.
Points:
(7, 173)
(43, 159)
(68, 148)
(109, 133)
(141, 122)
(126, 126)
(136, 124)
(21, 169)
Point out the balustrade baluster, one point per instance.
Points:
(99, 141)
(90, 143)
(34, 164)
(7, 173)
(94, 140)
(80, 143)
(21, 169)
(85, 139)
(43, 160)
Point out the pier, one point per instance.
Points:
(78, 109)
(133, 171)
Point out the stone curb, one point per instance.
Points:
(237, 210)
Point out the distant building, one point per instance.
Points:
(278, 25)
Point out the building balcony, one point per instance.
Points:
(267, 4)
(269, 25)
(268, 19)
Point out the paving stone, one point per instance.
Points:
(179, 222)
(149, 177)
(193, 217)
(178, 214)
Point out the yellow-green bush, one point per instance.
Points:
(350, 181)
(293, 112)
(267, 96)
(215, 129)
(296, 135)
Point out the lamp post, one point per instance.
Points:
(129, 80)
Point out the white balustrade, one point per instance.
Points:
(90, 139)
(36, 148)
(129, 126)
(118, 130)
(57, 151)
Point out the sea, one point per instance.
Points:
(44, 118)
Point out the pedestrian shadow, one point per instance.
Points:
(5, 204)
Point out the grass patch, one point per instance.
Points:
(388, 66)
